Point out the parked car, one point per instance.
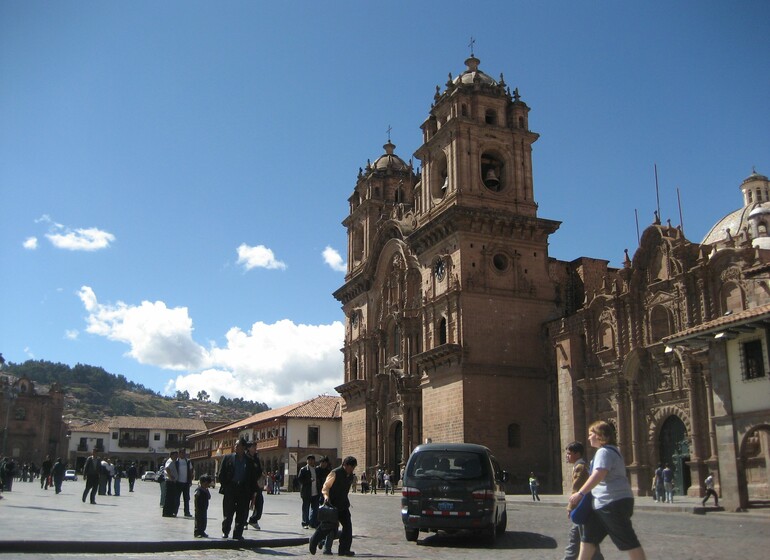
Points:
(149, 475)
(71, 474)
(453, 487)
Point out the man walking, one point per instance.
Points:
(91, 471)
(709, 482)
(309, 492)
(335, 491)
(238, 480)
(45, 472)
(132, 475)
(580, 472)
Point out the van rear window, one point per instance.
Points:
(455, 465)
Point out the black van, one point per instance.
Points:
(453, 487)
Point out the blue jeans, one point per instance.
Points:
(310, 511)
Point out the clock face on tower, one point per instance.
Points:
(439, 269)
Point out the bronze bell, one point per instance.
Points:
(491, 179)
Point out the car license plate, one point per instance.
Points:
(445, 506)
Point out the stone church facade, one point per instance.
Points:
(460, 327)
(32, 420)
(448, 288)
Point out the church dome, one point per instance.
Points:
(389, 160)
(755, 211)
(473, 75)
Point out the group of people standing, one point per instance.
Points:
(103, 476)
(380, 479)
(663, 484)
(51, 473)
(178, 474)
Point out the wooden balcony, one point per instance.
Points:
(199, 454)
(133, 443)
(272, 443)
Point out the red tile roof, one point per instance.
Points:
(145, 423)
(323, 407)
(747, 316)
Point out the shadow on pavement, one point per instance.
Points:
(511, 540)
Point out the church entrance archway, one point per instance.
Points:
(397, 449)
(674, 448)
(755, 455)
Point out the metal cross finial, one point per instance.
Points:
(473, 42)
(389, 129)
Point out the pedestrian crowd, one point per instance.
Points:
(325, 509)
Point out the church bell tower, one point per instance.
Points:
(447, 291)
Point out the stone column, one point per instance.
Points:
(712, 436)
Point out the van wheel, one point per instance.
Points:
(503, 524)
(411, 534)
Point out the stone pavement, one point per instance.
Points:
(36, 520)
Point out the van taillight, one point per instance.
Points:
(409, 492)
(483, 495)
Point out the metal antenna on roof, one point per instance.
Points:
(389, 129)
(638, 239)
(657, 192)
(679, 201)
(473, 42)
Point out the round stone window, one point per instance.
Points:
(500, 262)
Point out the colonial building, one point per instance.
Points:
(672, 349)
(460, 327)
(32, 420)
(145, 441)
(448, 288)
(284, 437)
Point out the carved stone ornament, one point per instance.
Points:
(731, 273)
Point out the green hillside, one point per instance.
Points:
(91, 393)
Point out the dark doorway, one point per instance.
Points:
(675, 452)
(398, 446)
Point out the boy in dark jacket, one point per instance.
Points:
(201, 501)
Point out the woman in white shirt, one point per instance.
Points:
(613, 499)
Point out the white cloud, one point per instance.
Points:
(30, 243)
(258, 257)
(80, 239)
(155, 334)
(278, 363)
(71, 334)
(334, 260)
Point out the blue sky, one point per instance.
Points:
(173, 175)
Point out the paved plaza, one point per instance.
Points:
(39, 525)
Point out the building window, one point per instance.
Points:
(753, 359)
(500, 262)
(514, 436)
(490, 116)
(313, 436)
(114, 435)
(442, 331)
(156, 437)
